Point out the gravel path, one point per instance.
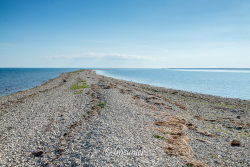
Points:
(84, 119)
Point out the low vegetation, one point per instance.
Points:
(101, 104)
(79, 86)
(195, 164)
(76, 72)
(78, 92)
(158, 137)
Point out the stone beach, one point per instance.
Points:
(84, 119)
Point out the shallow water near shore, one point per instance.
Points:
(13, 80)
(232, 83)
(227, 82)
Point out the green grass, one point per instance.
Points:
(80, 85)
(158, 137)
(77, 86)
(214, 156)
(101, 104)
(76, 72)
(78, 92)
(189, 164)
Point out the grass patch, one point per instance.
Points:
(189, 164)
(98, 107)
(78, 92)
(76, 72)
(101, 104)
(195, 163)
(80, 85)
(214, 156)
(159, 137)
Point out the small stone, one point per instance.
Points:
(239, 111)
(175, 92)
(235, 143)
(238, 128)
(38, 154)
(59, 151)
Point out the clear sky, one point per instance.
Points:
(125, 33)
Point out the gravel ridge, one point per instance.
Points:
(110, 122)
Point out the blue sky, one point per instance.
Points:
(125, 33)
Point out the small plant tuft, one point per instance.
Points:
(79, 86)
(159, 137)
(78, 92)
(101, 104)
(195, 163)
(189, 164)
(76, 72)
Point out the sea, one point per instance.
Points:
(225, 82)
(13, 80)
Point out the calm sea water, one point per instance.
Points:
(17, 79)
(233, 83)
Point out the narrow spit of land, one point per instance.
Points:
(85, 119)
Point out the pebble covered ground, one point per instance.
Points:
(85, 119)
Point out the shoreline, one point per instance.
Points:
(82, 112)
(176, 89)
(184, 92)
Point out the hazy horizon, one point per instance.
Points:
(125, 34)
